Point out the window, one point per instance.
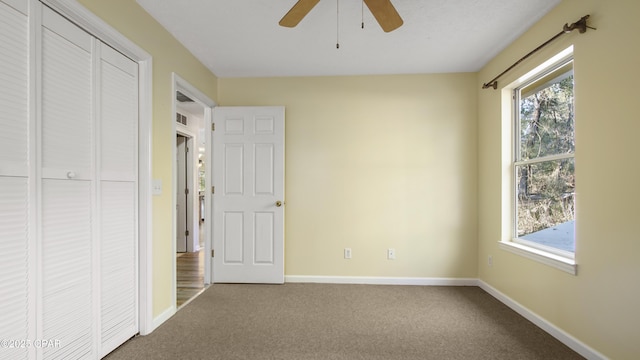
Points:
(543, 165)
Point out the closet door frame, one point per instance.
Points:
(107, 34)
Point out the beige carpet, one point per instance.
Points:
(323, 321)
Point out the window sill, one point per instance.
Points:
(556, 261)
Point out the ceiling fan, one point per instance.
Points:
(384, 12)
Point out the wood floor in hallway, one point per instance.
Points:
(190, 276)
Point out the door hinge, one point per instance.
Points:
(213, 189)
(186, 149)
(212, 252)
(213, 126)
(186, 233)
(186, 191)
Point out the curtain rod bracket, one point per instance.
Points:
(493, 84)
(582, 27)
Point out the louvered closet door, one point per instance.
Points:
(118, 119)
(67, 188)
(16, 266)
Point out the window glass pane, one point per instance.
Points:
(547, 117)
(546, 203)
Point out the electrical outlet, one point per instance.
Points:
(347, 253)
(391, 254)
(490, 260)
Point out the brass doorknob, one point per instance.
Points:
(278, 203)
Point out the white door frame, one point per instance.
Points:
(179, 84)
(82, 17)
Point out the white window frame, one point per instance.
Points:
(562, 260)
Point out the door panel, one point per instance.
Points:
(233, 169)
(67, 275)
(118, 240)
(264, 168)
(16, 246)
(14, 264)
(118, 78)
(248, 167)
(118, 264)
(234, 241)
(67, 99)
(263, 240)
(68, 190)
(14, 102)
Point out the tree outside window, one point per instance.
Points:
(544, 161)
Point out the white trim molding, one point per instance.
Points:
(547, 258)
(145, 244)
(164, 316)
(370, 280)
(573, 343)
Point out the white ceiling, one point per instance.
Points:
(242, 38)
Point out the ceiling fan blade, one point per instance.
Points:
(297, 12)
(385, 13)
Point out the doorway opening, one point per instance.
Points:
(190, 179)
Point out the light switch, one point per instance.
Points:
(156, 187)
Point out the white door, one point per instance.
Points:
(88, 207)
(248, 201)
(17, 250)
(67, 188)
(117, 211)
(181, 195)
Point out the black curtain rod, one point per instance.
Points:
(582, 27)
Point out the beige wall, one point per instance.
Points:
(169, 56)
(375, 162)
(599, 306)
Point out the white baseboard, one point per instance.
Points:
(160, 319)
(573, 343)
(371, 280)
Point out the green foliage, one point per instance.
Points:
(547, 121)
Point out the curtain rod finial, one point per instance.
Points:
(581, 25)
